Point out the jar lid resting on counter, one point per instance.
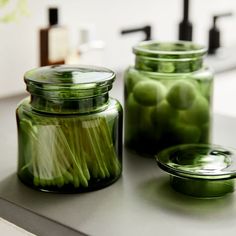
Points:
(200, 170)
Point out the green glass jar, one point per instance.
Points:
(168, 97)
(69, 130)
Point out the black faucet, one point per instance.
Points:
(185, 26)
(147, 30)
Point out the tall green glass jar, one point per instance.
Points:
(69, 130)
(168, 97)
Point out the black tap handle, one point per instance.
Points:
(147, 30)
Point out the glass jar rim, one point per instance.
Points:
(174, 48)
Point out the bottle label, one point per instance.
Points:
(57, 44)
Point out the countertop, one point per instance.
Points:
(141, 202)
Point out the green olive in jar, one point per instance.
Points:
(149, 92)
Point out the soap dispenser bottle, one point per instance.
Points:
(54, 43)
(214, 34)
(87, 50)
(220, 58)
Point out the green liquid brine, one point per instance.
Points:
(167, 97)
(69, 130)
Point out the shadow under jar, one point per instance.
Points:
(69, 130)
(168, 97)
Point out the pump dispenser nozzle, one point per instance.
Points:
(214, 34)
(53, 16)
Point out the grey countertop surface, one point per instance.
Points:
(141, 202)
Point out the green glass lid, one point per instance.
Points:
(200, 170)
(69, 81)
(199, 161)
(69, 75)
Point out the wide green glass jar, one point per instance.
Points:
(168, 97)
(69, 130)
